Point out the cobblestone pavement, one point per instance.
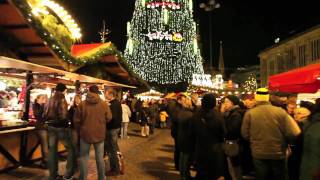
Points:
(145, 159)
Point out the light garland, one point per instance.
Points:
(161, 60)
(250, 84)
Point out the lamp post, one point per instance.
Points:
(210, 6)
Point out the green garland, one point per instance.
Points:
(63, 51)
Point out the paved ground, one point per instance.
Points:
(145, 159)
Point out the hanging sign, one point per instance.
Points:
(165, 36)
(169, 5)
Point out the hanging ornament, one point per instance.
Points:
(166, 16)
(143, 3)
(130, 46)
(195, 46)
(191, 5)
(128, 28)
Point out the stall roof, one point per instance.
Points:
(10, 63)
(301, 80)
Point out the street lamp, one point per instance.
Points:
(209, 7)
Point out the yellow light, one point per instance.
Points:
(40, 7)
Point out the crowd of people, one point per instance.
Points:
(257, 137)
(229, 138)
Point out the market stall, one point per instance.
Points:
(18, 142)
(301, 80)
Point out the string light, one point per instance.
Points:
(42, 6)
(164, 61)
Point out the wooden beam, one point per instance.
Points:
(39, 54)
(32, 45)
(15, 26)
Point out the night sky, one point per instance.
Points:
(245, 27)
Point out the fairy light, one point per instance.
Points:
(163, 61)
(41, 7)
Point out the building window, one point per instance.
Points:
(290, 59)
(302, 55)
(280, 64)
(271, 68)
(315, 49)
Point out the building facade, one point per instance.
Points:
(300, 50)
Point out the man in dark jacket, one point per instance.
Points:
(113, 127)
(90, 119)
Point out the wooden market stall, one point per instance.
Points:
(18, 142)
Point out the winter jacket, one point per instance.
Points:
(116, 111)
(126, 113)
(185, 117)
(207, 136)
(56, 111)
(268, 128)
(91, 117)
(310, 166)
(232, 122)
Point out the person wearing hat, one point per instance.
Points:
(268, 128)
(207, 137)
(232, 126)
(56, 115)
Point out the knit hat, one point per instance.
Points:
(208, 101)
(262, 94)
(94, 89)
(60, 87)
(234, 99)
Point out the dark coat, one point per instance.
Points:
(116, 111)
(184, 120)
(232, 122)
(310, 165)
(207, 135)
(38, 110)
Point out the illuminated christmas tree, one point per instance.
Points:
(250, 84)
(162, 45)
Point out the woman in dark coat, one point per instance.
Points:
(207, 133)
(41, 130)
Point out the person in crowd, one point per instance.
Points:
(126, 114)
(153, 114)
(268, 127)
(75, 132)
(232, 126)
(249, 101)
(4, 101)
(41, 130)
(133, 109)
(301, 116)
(174, 107)
(91, 117)
(310, 163)
(163, 119)
(13, 99)
(56, 115)
(195, 101)
(144, 122)
(207, 137)
(113, 130)
(290, 107)
(185, 117)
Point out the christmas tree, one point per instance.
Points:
(162, 43)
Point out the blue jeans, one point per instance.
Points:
(84, 158)
(64, 135)
(111, 147)
(267, 169)
(124, 129)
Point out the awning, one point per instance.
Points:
(301, 80)
(10, 63)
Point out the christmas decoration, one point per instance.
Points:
(250, 84)
(162, 46)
